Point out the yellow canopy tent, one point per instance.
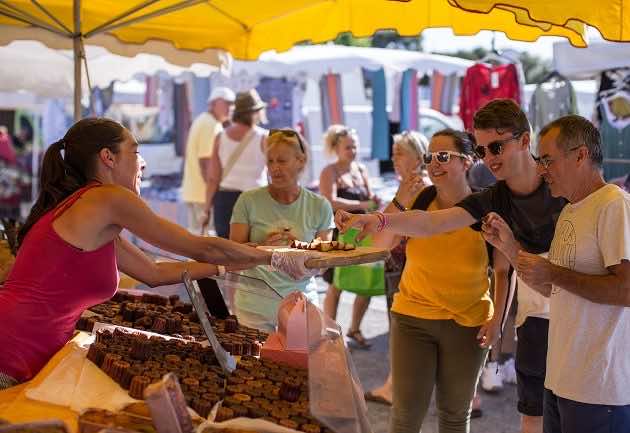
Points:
(183, 31)
(610, 17)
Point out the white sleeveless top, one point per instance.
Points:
(249, 171)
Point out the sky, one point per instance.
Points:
(443, 40)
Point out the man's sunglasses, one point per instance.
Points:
(496, 147)
(289, 133)
(443, 156)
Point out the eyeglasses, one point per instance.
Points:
(495, 147)
(443, 156)
(545, 161)
(289, 133)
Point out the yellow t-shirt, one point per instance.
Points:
(446, 277)
(200, 142)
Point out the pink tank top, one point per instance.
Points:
(50, 285)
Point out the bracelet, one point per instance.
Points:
(383, 221)
(400, 207)
(221, 270)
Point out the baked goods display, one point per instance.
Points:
(323, 246)
(34, 427)
(258, 388)
(95, 420)
(135, 361)
(170, 316)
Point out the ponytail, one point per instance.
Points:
(70, 163)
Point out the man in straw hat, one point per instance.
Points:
(237, 162)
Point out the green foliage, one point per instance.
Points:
(381, 39)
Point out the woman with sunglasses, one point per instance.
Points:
(442, 319)
(277, 214)
(408, 153)
(345, 184)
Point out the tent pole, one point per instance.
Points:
(76, 45)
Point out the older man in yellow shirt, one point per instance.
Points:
(201, 137)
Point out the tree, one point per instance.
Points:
(381, 39)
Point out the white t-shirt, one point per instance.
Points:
(249, 170)
(201, 137)
(587, 359)
(530, 302)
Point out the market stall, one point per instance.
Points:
(227, 371)
(186, 31)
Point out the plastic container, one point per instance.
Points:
(168, 407)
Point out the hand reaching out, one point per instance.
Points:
(366, 223)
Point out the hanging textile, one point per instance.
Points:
(396, 83)
(409, 100)
(552, 99)
(437, 89)
(278, 94)
(201, 91)
(444, 91)
(151, 91)
(55, 121)
(183, 117)
(166, 117)
(483, 83)
(613, 114)
(331, 100)
(380, 123)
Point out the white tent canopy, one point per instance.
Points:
(33, 67)
(583, 63)
(313, 61)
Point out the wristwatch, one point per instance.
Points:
(400, 207)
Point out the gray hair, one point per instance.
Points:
(575, 131)
(414, 141)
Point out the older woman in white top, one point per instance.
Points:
(237, 163)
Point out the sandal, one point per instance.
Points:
(370, 396)
(358, 338)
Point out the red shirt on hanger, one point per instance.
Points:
(482, 84)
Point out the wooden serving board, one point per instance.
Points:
(333, 259)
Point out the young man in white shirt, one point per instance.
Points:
(203, 132)
(587, 278)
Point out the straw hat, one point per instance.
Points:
(247, 102)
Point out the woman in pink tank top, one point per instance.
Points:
(70, 249)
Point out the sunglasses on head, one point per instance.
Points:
(289, 133)
(495, 147)
(443, 156)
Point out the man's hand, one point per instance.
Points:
(536, 271)
(489, 333)
(498, 234)
(366, 223)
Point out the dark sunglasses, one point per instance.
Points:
(443, 156)
(289, 133)
(496, 147)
